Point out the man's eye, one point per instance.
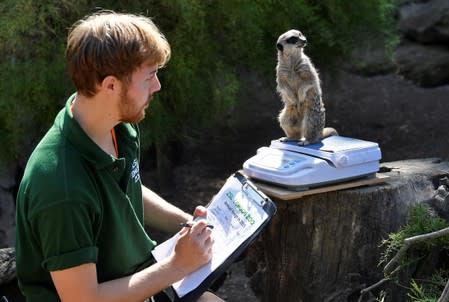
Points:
(152, 74)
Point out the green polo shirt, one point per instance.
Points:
(77, 204)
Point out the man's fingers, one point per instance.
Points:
(194, 246)
(200, 211)
(199, 227)
(185, 229)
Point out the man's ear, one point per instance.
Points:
(111, 84)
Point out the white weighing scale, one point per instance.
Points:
(297, 167)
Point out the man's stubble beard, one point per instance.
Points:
(130, 113)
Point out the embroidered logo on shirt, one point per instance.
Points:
(135, 175)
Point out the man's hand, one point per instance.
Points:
(193, 250)
(194, 246)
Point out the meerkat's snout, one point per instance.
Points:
(298, 41)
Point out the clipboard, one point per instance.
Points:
(230, 197)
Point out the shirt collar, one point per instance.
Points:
(80, 140)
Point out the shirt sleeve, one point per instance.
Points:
(65, 232)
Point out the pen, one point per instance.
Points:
(189, 225)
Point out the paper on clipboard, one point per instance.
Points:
(236, 213)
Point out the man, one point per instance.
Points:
(81, 206)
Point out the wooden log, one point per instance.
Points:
(7, 265)
(326, 247)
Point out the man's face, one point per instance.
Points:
(137, 95)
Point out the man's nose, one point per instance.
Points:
(157, 84)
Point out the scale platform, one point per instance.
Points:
(296, 167)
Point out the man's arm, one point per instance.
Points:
(160, 214)
(193, 249)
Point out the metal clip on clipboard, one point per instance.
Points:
(252, 192)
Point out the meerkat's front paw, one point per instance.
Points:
(289, 140)
(303, 142)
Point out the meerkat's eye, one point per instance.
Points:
(292, 40)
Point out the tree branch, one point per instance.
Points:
(445, 294)
(389, 269)
(410, 241)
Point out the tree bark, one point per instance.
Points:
(326, 247)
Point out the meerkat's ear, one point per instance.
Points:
(279, 47)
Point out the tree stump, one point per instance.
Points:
(326, 247)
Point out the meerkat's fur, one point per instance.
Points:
(298, 83)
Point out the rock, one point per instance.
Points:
(8, 172)
(406, 120)
(426, 66)
(7, 205)
(440, 201)
(371, 61)
(426, 22)
(422, 55)
(7, 219)
(7, 265)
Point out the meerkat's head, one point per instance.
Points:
(291, 42)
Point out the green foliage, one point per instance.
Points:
(418, 293)
(429, 291)
(381, 297)
(212, 41)
(421, 221)
(33, 80)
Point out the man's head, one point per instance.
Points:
(112, 44)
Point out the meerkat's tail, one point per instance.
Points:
(329, 131)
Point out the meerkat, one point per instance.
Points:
(298, 83)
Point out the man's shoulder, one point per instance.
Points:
(55, 172)
(53, 156)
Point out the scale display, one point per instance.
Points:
(280, 161)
